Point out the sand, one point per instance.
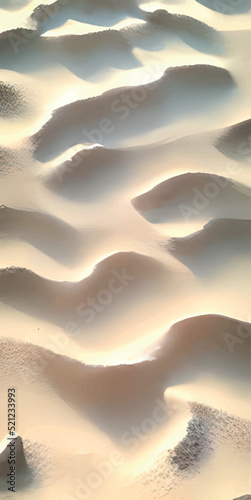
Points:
(125, 210)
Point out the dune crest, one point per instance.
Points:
(73, 115)
(235, 141)
(201, 251)
(176, 22)
(62, 302)
(194, 195)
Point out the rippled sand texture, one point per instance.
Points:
(125, 276)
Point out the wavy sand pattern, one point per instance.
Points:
(125, 229)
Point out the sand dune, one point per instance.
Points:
(235, 141)
(178, 22)
(194, 195)
(138, 33)
(56, 134)
(218, 243)
(12, 40)
(62, 302)
(79, 177)
(73, 43)
(45, 232)
(85, 6)
(118, 42)
(207, 333)
(208, 431)
(47, 17)
(187, 350)
(75, 52)
(103, 395)
(125, 248)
